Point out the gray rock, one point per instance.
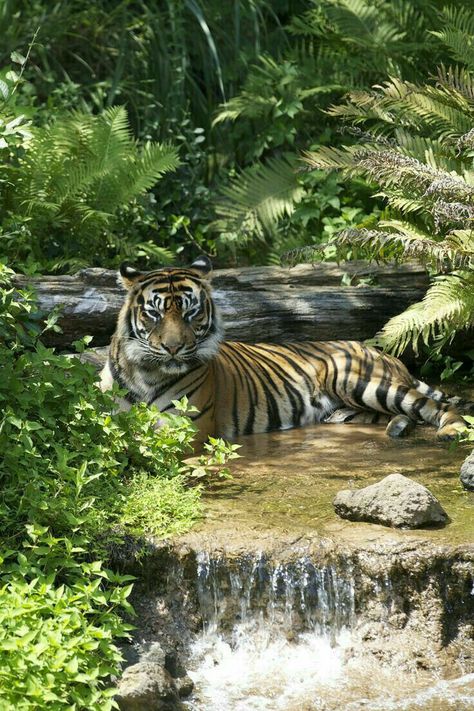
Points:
(154, 654)
(395, 501)
(147, 686)
(174, 665)
(467, 472)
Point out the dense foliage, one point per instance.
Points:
(73, 474)
(171, 65)
(187, 72)
(417, 148)
(336, 46)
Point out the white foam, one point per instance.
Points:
(258, 673)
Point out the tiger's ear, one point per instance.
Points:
(129, 275)
(203, 265)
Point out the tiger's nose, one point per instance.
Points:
(172, 348)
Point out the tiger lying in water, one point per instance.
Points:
(168, 344)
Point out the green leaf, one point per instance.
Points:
(17, 58)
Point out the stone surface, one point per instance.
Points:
(155, 655)
(467, 472)
(395, 501)
(147, 686)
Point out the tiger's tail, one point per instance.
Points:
(464, 407)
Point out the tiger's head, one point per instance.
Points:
(169, 320)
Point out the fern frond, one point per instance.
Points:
(255, 200)
(80, 170)
(405, 242)
(401, 202)
(458, 78)
(447, 307)
(262, 91)
(331, 158)
(456, 34)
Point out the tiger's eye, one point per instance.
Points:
(191, 315)
(151, 316)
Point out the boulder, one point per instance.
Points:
(395, 501)
(467, 472)
(147, 686)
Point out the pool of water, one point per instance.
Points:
(286, 481)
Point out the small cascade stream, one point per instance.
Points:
(288, 636)
(293, 595)
(274, 604)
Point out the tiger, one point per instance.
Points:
(168, 344)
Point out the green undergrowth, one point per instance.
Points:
(73, 474)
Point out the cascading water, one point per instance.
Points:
(272, 636)
(282, 636)
(297, 593)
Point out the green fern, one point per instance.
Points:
(417, 148)
(258, 198)
(448, 307)
(457, 33)
(404, 241)
(76, 175)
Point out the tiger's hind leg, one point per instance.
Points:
(400, 399)
(400, 426)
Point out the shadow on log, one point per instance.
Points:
(273, 304)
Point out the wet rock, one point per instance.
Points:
(173, 664)
(147, 686)
(467, 472)
(184, 685)
(395, 501)
(155, 655)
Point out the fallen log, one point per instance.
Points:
(258, 303)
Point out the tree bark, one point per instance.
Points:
(272, 304)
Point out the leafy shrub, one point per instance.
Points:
(57, 634)
(73, 472)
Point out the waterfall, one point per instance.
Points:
(273, 635)
(284, 636)
(298, 594)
